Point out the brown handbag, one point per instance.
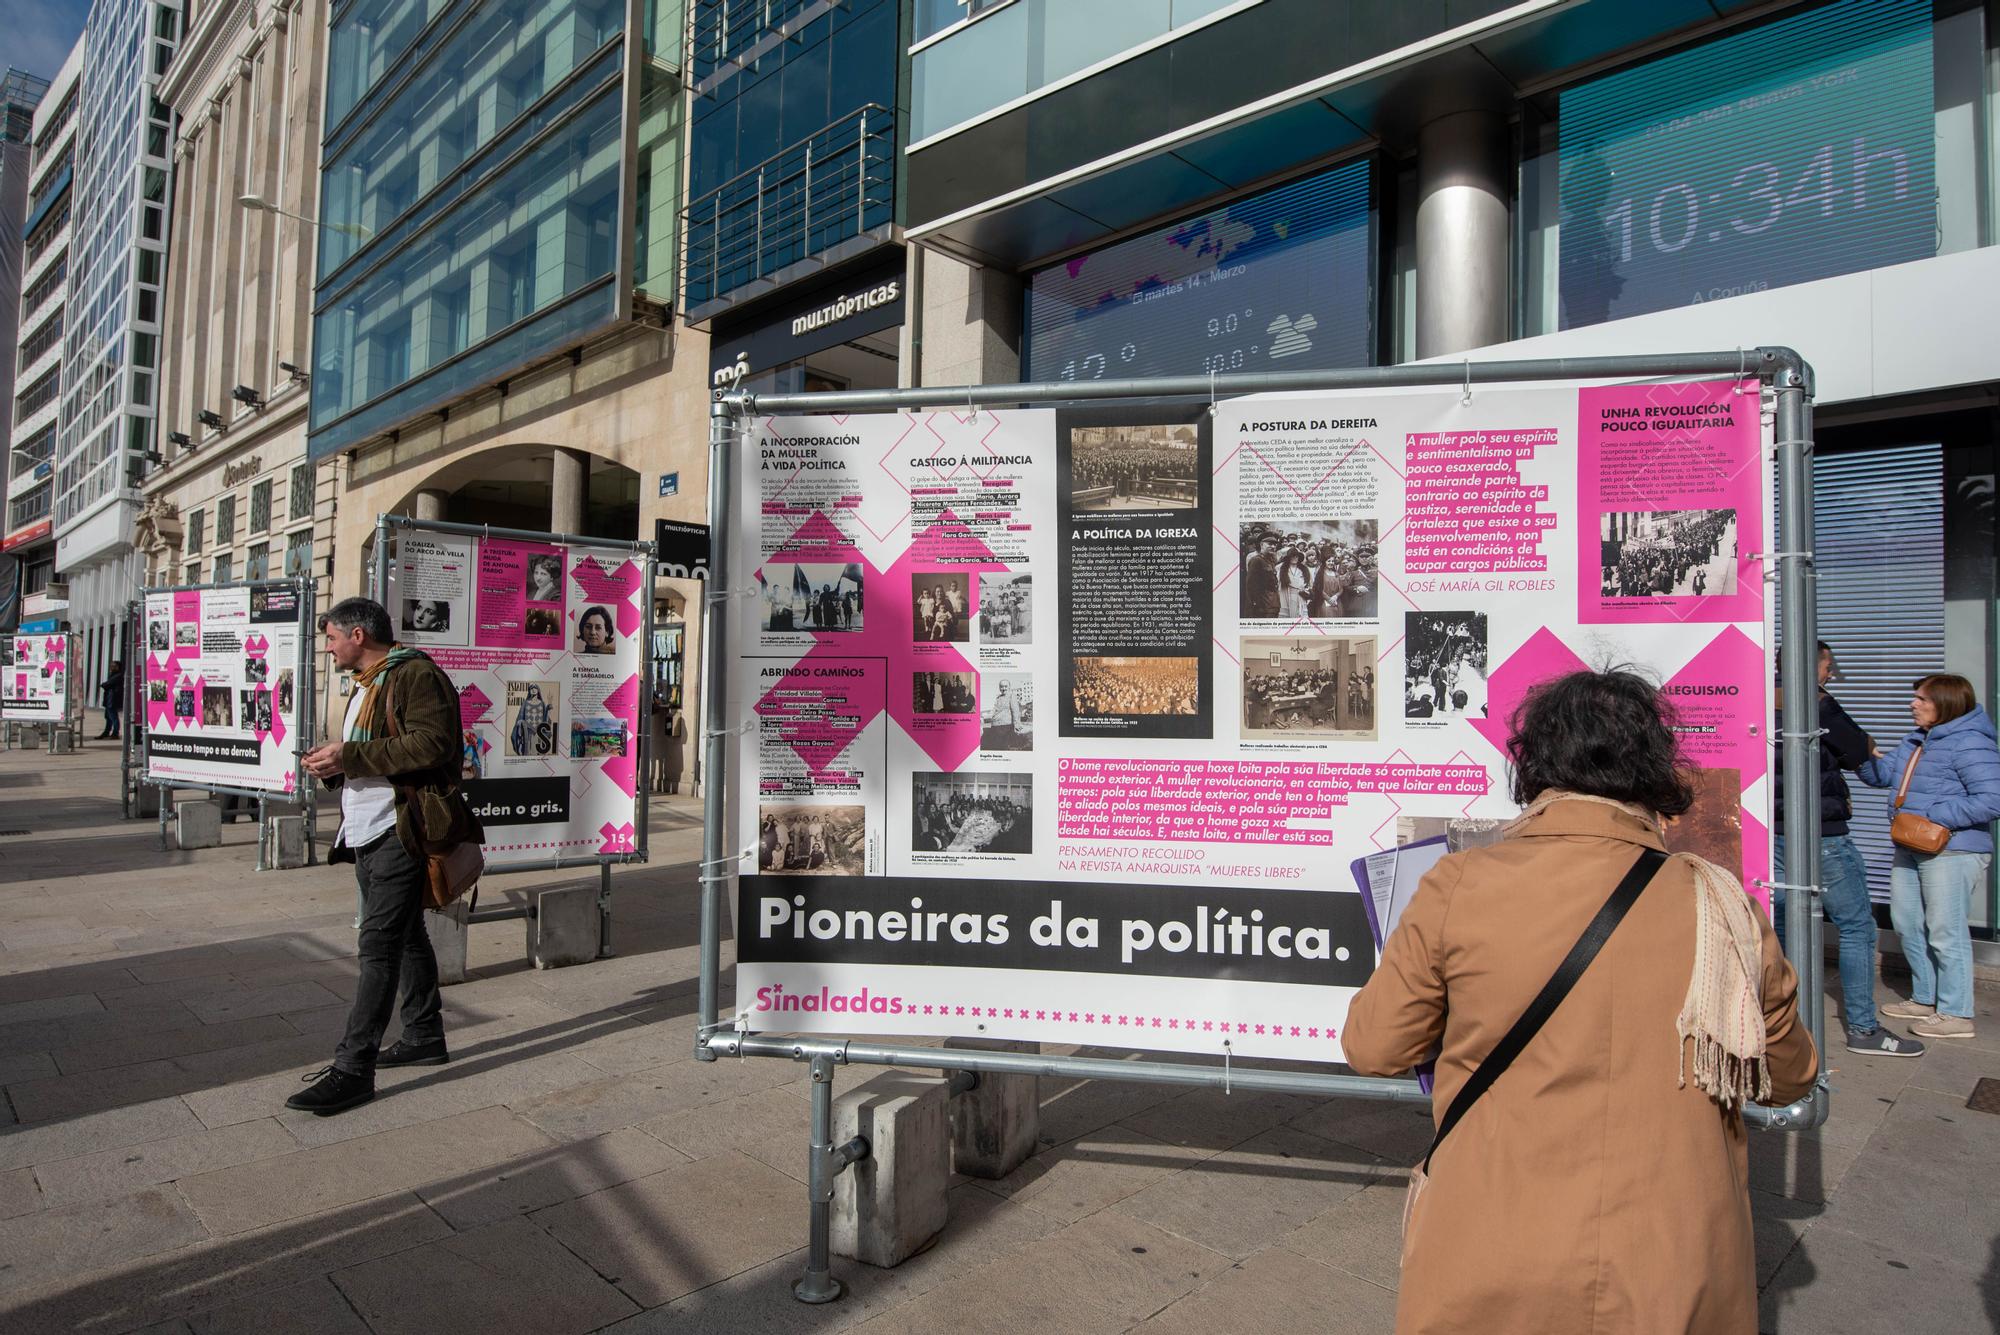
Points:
(1909, 830)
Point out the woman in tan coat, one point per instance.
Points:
(1600, 1184)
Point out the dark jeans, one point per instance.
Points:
(111, 723)
(394, 946)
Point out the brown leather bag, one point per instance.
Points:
(1909, 830)
(450, 869)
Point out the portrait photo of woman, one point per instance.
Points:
(594, 633)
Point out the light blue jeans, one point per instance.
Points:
(1843, 878)
(1930, 906)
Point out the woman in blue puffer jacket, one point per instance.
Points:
(1957, 784)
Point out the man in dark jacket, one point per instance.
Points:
(111, 694)
(397, 769)
(1843, 876)
(1260, 579)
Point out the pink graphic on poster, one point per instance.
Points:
(520, 595)
(1670, 517)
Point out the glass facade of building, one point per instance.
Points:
(117, 255)
(791, 139)
(491, 186)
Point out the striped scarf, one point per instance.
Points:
(1723, 1012)
(365, 680)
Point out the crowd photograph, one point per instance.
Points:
(969, 812)
(1004, 608)
(1121, 686)
(1308, 570)
(1007, 711)
(798, 840)
(1668, 553)
(1316, 686)
(1444, 665)
(1144, 467)
(940, 604)
(217, 708)
(943, 693)
(802, 596)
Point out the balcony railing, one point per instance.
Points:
(795, 205)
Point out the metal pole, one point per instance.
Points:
(861, 176)
(381, 557)
(263, 836)
(818, 1285)
(715, 871)
(166, 800)
(305, 714)
(604, 910)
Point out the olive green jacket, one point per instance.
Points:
(420, 755)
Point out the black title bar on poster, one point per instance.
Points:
(535, 801)
(1232, 932)
(681, 548)
(221, 750)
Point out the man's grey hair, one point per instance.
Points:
(366, 613)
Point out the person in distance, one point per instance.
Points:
(1600, 1184)
(1953, 767)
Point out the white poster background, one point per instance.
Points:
(1306, 464)
(221, 698)
(38, 684)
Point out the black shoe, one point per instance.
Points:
(1879, 1042)
(333, 1091)
(405, 1053)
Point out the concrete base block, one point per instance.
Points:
(284, 842)
(197, 824)
(995, 1127)
(564, 929)
(145, 801)
(889, 1206)
(450, 935)
(63, 741)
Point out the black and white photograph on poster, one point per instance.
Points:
(1006, 608)
(544, 578)
(1316, 686)
(256, 669)
(1444, 665)
(1308, 570)
(1713, 827)
(187, 633)
(1667, 553)
(1006, 711)
(246, 705)
(596, 631)
(809, 596)
(530, 726)
(940, 606)
(215, 708)
(595, 738)
(262, 712)
(1123, 686)
(542, 621)
(426, 616)
(796, 839)
(943, 692)
(1143, 466)
(284, 690)
(156, 692)
(184, 702)
(971, 812)
(157, 636)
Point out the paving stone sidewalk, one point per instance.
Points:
(574, 1169)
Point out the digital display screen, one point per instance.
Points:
(1784, 153)
(1281, 280)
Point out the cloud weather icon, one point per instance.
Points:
(1290, 337)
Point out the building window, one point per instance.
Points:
(192, 574)
(225, 521)
(224, 567)
(260, 507)
(302, 491)
(299, 554)
(258, 566)
(196, 518)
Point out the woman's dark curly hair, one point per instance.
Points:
(1606, 733)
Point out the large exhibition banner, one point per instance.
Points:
(222, 682)
(1067, 725)
(35, 678)
(545, 642)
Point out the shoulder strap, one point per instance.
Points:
(1903, 789)
(1647, 866)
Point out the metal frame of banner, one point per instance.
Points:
(641, 552)
(1779, 369)
(305, 718)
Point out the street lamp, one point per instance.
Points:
(264, 205)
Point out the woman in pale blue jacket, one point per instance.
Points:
(1957, 784)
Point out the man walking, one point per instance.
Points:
(1843, 875)
(111, 693)
(397, 770)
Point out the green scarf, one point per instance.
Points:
(365, 679)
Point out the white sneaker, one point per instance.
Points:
(1908, 1010)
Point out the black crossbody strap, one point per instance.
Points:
(1544, 1005)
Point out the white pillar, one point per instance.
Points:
(1462, 269)
(569, 484)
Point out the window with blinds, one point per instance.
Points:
(1878, 544)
